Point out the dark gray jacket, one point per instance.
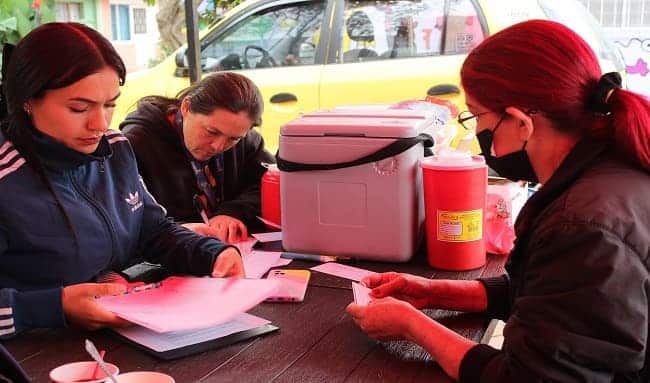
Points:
(577, 294)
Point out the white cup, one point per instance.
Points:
(81, 371)
(144, 377)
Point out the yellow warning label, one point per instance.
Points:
(460, 226)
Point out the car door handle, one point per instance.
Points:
(283, 97)
(438, 90)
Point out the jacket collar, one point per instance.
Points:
(57, 156)
(583, 156)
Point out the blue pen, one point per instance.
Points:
(311, 257)
(199, 208)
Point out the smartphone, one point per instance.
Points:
(293, 285)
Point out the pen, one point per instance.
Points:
(311, 257)
(199, 208)
(138, 289)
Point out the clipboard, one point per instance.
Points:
(199, 347)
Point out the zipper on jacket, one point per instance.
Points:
(102, 213)
(101, 165)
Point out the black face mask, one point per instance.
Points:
(514, 166)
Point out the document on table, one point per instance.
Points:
(177, 339)
(256, 263)
(268, 237)
(343, 271)
(246, 246)
(361, 294)
(186, 303)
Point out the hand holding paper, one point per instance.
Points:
(361, 294)
(185, 303)
(81, 307)
(228, 264)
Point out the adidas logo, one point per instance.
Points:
(134, 200)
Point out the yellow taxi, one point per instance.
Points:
(307, 55)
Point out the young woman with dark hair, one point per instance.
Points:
(200, 146)
(73, 206)
(577, 290)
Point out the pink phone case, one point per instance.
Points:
(293, 285)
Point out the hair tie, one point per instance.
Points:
(607, 84)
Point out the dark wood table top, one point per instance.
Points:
(317, 341)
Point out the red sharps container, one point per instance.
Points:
(270, 191)
(455, 187)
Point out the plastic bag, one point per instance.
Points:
(499, 221)
(441, 111)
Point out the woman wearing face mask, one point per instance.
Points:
(576, 294)
(72, 205)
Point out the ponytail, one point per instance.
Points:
(630, 126)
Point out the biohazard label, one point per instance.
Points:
(460, 226)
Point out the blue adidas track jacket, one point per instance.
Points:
(114, 221)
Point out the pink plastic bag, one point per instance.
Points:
(499, 228)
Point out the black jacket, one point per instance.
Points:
(168, 174)
(577, 293)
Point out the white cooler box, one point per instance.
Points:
(339, 197)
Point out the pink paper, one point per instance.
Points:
(186, 303)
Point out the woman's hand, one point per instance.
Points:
(384, 319)
(392, 319)
(429, 293)
(228, 264)
(229, 229)
(409, 288)
(81, 308)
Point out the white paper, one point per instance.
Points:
(177, 339)
(186, 303)
(268, 237)
(257, 263)
(270, 223)
(343, 271)
(361, 294)
(282, 262)
(245, 247)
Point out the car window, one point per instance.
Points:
(575, 16)
(463, 28)
(380, 30)
(278, 36)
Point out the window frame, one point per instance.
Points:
(228, 24)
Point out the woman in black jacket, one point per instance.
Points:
(200, 148)
(577, 290)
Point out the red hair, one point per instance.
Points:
(543, 65)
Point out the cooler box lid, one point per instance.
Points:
(345, 126)
(372, 113)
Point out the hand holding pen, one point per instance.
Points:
(229, 229)
(223, 227)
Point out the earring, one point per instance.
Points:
(28, 109)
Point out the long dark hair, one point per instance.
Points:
(52, 56)
(223, 90)
(543, 65)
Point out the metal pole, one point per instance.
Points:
(193, 47)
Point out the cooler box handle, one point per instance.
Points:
(397, 147)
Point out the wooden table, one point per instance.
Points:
(317, 341)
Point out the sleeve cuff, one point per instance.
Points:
(210, 249)
(497, 296)
(42, 308)
(474, 361)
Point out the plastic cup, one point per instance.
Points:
(144, 377)
(81, 371)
